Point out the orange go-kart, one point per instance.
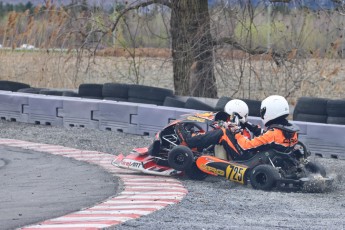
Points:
(264, 170)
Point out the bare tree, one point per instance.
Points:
(237, 50)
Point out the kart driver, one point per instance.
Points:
(279, 135)
(239, 109)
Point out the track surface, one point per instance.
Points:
(142, 195)
(213, 203)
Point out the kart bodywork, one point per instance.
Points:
(265, 170)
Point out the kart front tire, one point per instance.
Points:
(195, 173)
(264, 177)
(180, 158)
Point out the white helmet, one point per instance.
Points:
(273, 107)
(237, 107)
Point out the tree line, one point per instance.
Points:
(241, 48)
(6, 8)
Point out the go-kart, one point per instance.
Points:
(264, 170)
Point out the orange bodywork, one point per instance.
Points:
(218, 167)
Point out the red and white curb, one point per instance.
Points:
(142, 194)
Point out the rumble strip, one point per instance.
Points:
(142, 194)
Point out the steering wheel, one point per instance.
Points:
(193, 127)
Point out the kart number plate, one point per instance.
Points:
(235, 173)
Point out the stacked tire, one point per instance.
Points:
(174, 102)
(148, 94)
(115, 91)
(336, 112)
(92, 91)
(193, 103)
(12, 86)
(253, 106)
(221, 103)
(311, 109)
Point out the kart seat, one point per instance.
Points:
(220, 152)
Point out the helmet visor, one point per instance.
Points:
(262, 112)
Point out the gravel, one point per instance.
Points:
(213, 203)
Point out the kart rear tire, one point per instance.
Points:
(180, 158)
(264, 177)
(315, 167)
(195, 173)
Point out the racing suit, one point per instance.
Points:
(281, 136)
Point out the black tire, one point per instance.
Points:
(115, 99)
(51, 92)
(195, 173)
(149, 92)
(180, 158)
(315, 167)
(221, 103)
(173, 102)
(31, 90)
(310, 117)
(193, 103)
(91, 97)
(145, 101)
(90, 90)
(311, 105)
(115, 90)
(264, 177)
(336, 120)
(69, 94)
(336, 108)
(253, 106)
(12, 86)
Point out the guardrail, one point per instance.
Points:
(324, 140)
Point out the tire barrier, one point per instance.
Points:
(193, 103)
(311, 110)
(144, 95)
(12, 86)
(142, 194)
(320, 110)
(115, 91)
(254, 107)
(31, 90)
(173, 102)
(136, 118)
(93, 91)
(51, 92)
(148, 94)
(221, 103)
(336, 112)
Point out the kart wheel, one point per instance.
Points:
(180, 158)
(264, 177)
(195, 173)
(315, 167)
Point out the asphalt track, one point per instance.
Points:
(45, 191)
